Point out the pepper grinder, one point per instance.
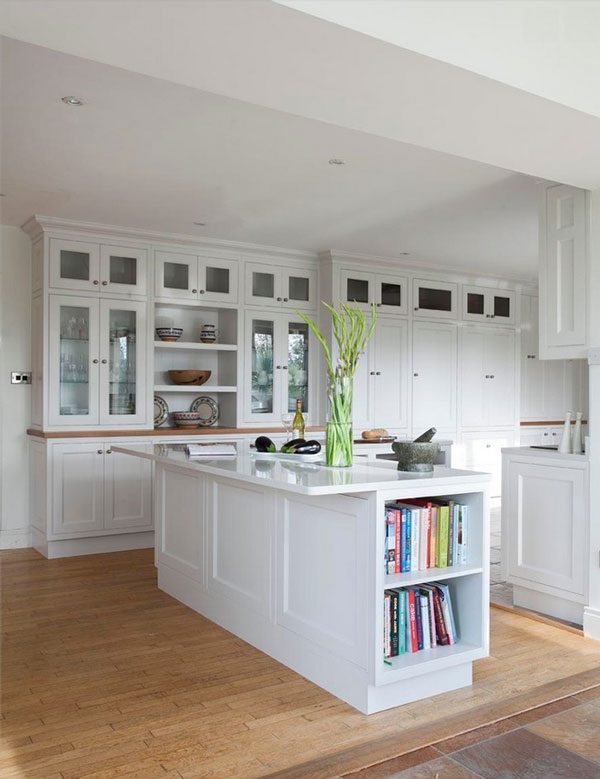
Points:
(576, 447)
(565, 441)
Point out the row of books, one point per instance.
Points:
(421, 534)
(417, 618)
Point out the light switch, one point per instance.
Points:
(20, 377)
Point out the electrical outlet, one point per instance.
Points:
(20, 377)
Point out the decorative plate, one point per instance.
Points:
(161, 410)
(208, 410)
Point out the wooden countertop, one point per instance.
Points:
(550, 423)
(159, 432)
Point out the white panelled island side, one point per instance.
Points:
(290, 558)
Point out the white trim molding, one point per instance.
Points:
(15, 539)
(591, 623)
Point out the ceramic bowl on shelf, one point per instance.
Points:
(189, 377)
(169, 334)
(186, 418)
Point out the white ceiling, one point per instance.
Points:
(147, 153)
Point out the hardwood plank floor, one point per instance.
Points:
(105, 676)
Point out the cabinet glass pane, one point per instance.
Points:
(357, 291)
(475, 303)
(298, 288)
(74, 265)
(391, 294)
(297, 365)
(123, 270)
(74, 360)
(501, 306)
(176, 275)
(122, 362)
(262, 366)
(263, 285)
(435, 299)
(217, 280)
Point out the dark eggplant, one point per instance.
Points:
(304, 447)
(288, 447)
(264, 444)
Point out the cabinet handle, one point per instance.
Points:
(488, 315)
(109, 451)
(279, 300)
(488, 446)
(278, 367)
(105, 283)
(377, 373)
(194, 292)
(104, 362)
(284, 367)
(99, 451)
(95, 282)
(492, 376)
(545, 434)
(379, 305)
(416, 308)
(372, 373)
(202, 291)
(415, 374)
(487, 375)
(492, 316)
(95, 361)
(286, 300)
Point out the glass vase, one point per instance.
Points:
(338, 431)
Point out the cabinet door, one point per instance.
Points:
(217, 280)
(473, 377)
(391, 370)
(123, 270)
(501, 307)
(434, 375)
(500, 385)
(391, 294)
(363, 404)
(563, 273)
(299, 289)
(263, 285)
(296, 367)
(357, 288)
(122, 362)
(127, 489)
(547, 522)
(74, 265)
(474, 304)
(176, 276)
(74, 361)
(77, 479)
(263, 368)
(532, 368)
(435, 299)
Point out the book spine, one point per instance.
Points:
(424, 600)
(446, 613)
(429, 518)
(414, 540)
(432, 617)
(447, 603)
(398, 539)
(406, 546)
(424, 540)
(443, 537)
(433, 556)
(386, 624)
(394, 617)
(442, 635)
(412, 616)
(401, 622)
(450, 557)
(465, 535)
(455, 524)
(418, 620)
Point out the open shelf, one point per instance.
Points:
(198, 389)
(411, 663)
(428, 575)
(191, 345)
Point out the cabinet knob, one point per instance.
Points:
(95, 361)
(372, 373)
(415, 374)
(416, 308)
(104, 362)
(488, 316)
(278, 367)
(284, 367)
(286, 300)
(109, 451)
(99, 451)
(95, 282)
(194, 292)
(492, 376)
(105, 283)
(488, 446)
(487, 375)
(202, 291)
(377, 373)
(379, 305)
(279, 300)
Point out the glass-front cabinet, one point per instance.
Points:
(189, 277)
(96, 362)
(267, 285)
(388, 292)
(278, 360)
(92, 267)
(435, 299)
(493, 306)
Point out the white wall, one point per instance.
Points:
(15, 349)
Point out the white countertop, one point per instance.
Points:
(548, 454)
(308, 478)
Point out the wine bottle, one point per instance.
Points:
(425, 437)
(298, 421)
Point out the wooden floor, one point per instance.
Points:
(105, 676)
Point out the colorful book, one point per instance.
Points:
(433, 547)
(464, 543)
(440, 626)
(390, 541)
(386, 624)
(450, 532)
(424, 538)
(424, 600)
(415, 526)
(406, 533)
(447, 611)
(427, 589)
(398, 538)
(401, 622)
(443, 529)
(455, 526)
(394, 622)
(412, 618)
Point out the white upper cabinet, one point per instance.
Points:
(487, 377)
(189, 277)
(387, 291)
(434, 375)
(435, 299)
(563, 273)
(101, 268)
(267, 285)
(492, 306)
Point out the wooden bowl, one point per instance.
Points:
(189, 377)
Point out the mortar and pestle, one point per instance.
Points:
(417, 456)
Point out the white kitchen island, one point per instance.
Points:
(290, 558)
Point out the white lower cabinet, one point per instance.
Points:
(77, 487)
(127, 489)
(434, 375)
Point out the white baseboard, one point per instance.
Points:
(73, 547)
(591, 623)
(15, 539)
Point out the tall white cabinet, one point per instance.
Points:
(434, 374)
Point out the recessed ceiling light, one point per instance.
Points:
(72, 100)
(200, 224)
(404, 254)
(336, 161)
